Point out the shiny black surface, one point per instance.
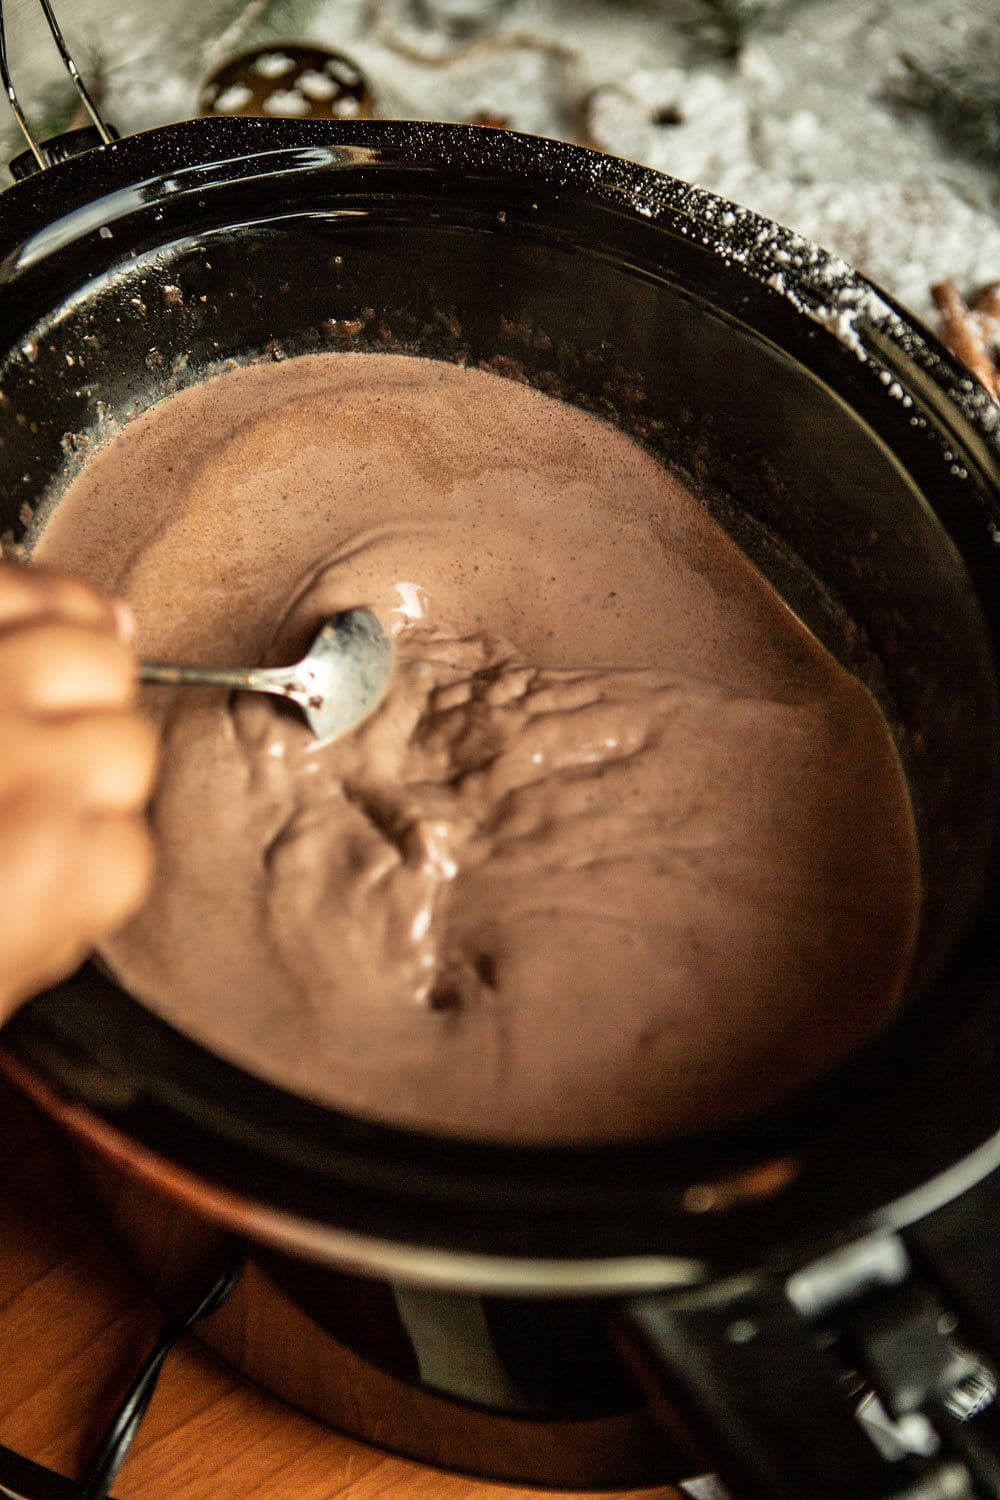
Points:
(868, 485)
(58, 148)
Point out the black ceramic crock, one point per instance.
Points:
(856, 463)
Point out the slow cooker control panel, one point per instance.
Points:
(883, 1353)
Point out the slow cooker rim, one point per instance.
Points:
(42, 1039)
(817, 283)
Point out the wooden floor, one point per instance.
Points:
(73, 1326)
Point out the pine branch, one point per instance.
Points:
(237, 25)
(283, 20)
(964, 109)
(722, 26)
(53, 110)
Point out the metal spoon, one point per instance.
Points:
(340, 681)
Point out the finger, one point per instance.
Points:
(116, 867)
(34, 593)
(66, 881)
(54, 668)
(104, 762)
(68, 875)
(56, 965)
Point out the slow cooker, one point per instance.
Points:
(798, 1302)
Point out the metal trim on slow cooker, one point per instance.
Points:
(449, 1270)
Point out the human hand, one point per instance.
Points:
(77, 765)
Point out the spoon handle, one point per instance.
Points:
(253, 679)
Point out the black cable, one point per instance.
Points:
(114, 1445)
(22, 1479)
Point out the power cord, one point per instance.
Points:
(21, 1479)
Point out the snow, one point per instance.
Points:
(804, 128)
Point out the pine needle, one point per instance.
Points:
(722, 26)
(284, 20)
(237, 25)
(53, 110)
(964, 108)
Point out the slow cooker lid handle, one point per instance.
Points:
(43, 154)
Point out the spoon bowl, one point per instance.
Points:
(340, 681)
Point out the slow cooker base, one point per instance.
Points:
(369, 1359)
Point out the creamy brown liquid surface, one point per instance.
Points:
(624, 851)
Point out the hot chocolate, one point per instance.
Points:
(624, 851)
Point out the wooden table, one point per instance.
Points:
(74, 1324)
